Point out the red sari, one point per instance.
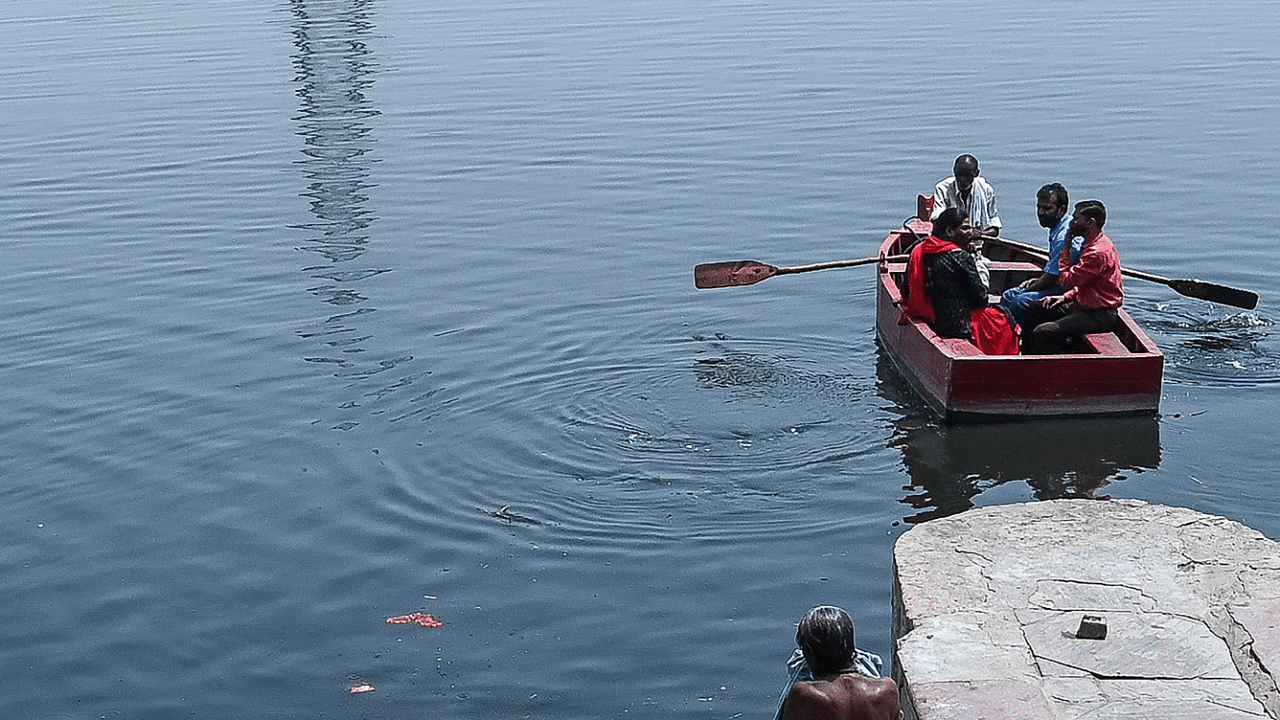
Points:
(993, 332)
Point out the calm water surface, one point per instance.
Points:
(321, 312)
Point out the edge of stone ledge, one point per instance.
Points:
(960, 651)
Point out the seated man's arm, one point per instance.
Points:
(994, 225)
(1090, 267)
(1040, 282)
(939, 200)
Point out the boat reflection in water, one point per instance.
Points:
(950, 465)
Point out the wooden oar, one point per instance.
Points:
(1198, 289)
(750, 272)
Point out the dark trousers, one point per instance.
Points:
(1055, 326)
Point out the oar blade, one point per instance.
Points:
(731, 274)
(1212, 292)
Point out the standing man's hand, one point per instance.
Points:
(974, 244)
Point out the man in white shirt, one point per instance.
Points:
(975, 197)
(971, 193)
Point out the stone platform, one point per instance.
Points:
(988, 605)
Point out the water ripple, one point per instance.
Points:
(1234, 350)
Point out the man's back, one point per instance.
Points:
(847, 696)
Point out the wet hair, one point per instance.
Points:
(1094, 210)
(826, 637)
(949, 219)
(1057, 192)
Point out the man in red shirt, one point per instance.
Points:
(1094, 291)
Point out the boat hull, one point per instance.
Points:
(1119, 373)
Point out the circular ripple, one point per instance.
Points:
(1232, 350)
(667, 436)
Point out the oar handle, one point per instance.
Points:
(1147, 276)
(1042, 253)
(1199, 289)
(1038, 251)
(839, 264)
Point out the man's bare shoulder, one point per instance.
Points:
(846, 697)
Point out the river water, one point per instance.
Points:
(322, 312)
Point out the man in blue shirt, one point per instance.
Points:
(1051, 208)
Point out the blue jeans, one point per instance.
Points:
(1020, 302)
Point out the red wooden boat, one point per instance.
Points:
(1116, 373)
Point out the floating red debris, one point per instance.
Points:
(363, 687)
(423, 619)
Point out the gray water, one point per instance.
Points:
(319, 313)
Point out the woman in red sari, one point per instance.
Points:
(945, 290)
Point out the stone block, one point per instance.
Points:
(987, 605)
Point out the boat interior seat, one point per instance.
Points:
(1014, 266)
(960, 346)
(1100, 343)
(1106, 344)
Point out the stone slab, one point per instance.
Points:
(1138, 645)
(1260, 618)
(1084, 698)
(987, 604)
(979, 700)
